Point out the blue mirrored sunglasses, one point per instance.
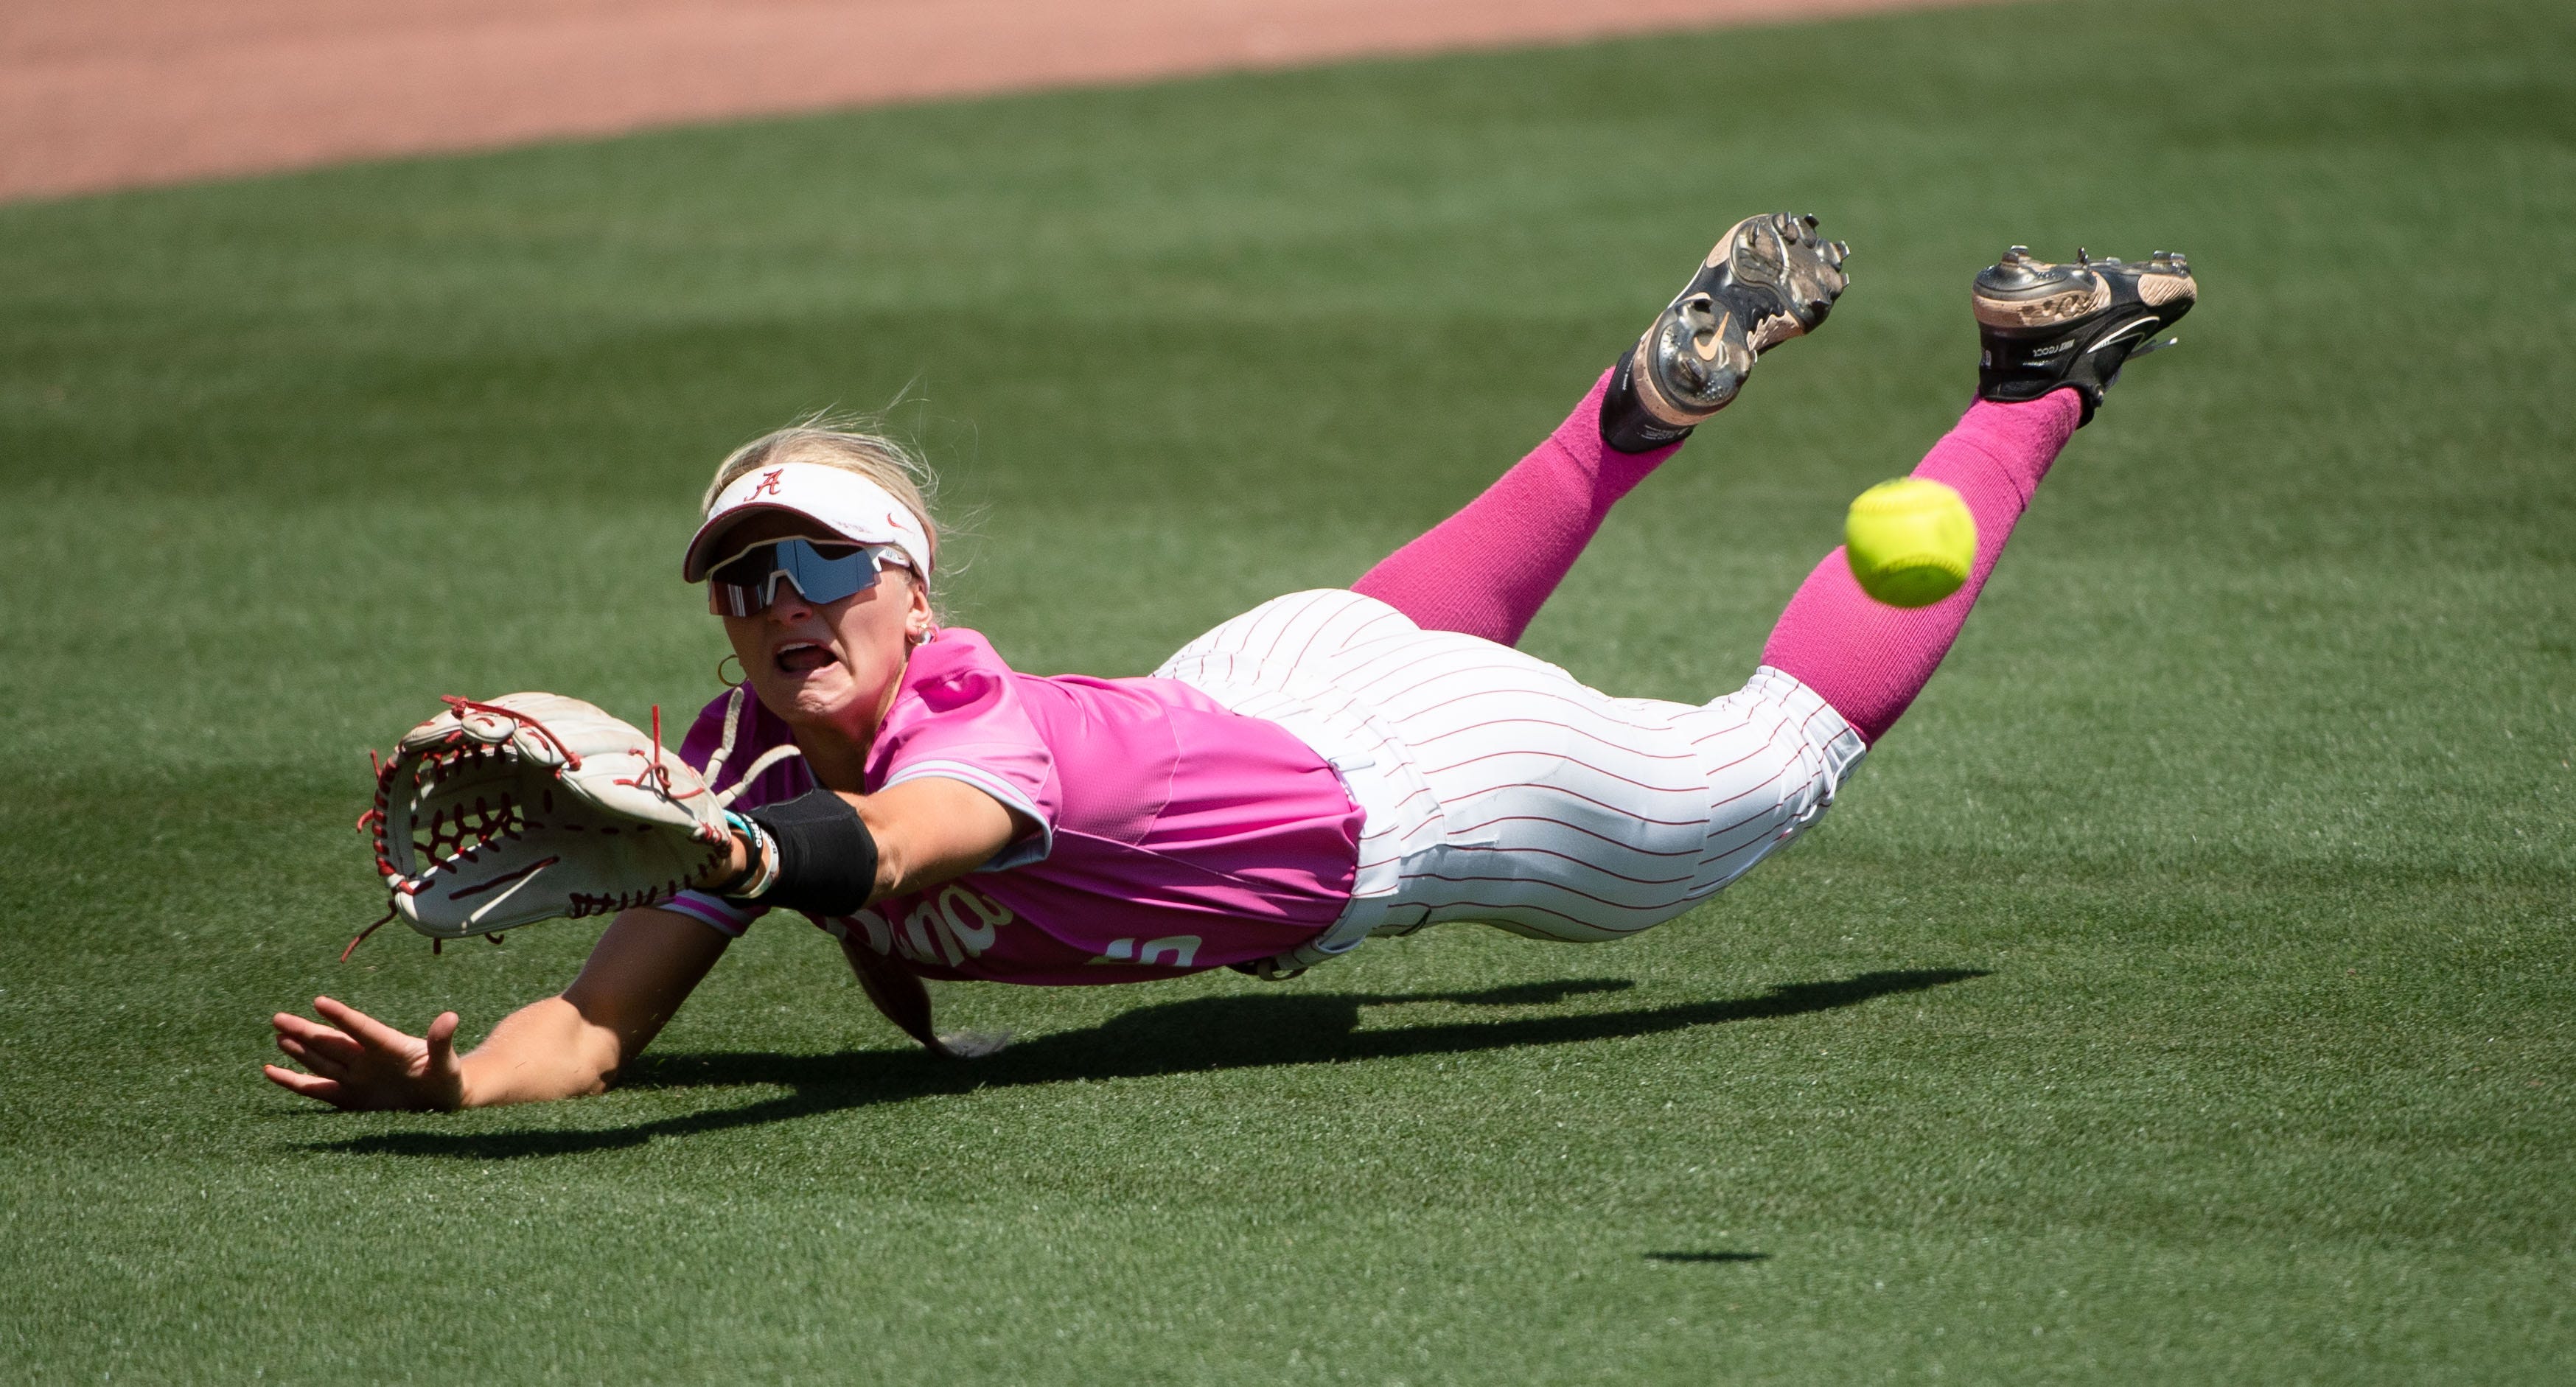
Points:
(747, 583)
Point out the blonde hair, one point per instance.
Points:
(853, 443)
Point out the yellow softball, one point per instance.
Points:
(1911, 541)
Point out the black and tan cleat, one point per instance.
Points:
(2049, 327)
(1770, 278)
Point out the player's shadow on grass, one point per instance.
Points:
(1252, 1031)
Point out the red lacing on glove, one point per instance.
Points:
(455, 834)
(362, 934)
(458, 832)
(656, 777)
(459, 706)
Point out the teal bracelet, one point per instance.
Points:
(762, 873)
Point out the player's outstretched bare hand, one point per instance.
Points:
(360, 1063)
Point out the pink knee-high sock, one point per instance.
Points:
(1868, 659)
(1486, 569)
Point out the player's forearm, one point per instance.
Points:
(540, 1052)
(904, 861)
(933, 830)
(819, 856)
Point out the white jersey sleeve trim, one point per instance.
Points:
(715, 912)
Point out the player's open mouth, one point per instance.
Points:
(804, 657)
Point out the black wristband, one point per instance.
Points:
(827, 859)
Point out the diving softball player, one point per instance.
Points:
(1332, 766)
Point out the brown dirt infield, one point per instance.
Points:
(122, 93)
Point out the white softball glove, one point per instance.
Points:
(500, 814)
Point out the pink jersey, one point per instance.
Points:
(1171, 835)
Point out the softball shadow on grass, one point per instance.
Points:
(1253, 1031)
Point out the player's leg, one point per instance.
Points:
(2055, 336)
(1576, 817)
(1560, 813)
(1868, 659)
(1485, 570)
(1499, 789)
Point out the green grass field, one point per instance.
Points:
(2182, 994)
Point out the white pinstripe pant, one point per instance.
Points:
(1498, 789)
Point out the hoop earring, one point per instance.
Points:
(730, 683)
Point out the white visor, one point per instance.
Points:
(843, 503)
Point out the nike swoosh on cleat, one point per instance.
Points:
(2126, 329)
